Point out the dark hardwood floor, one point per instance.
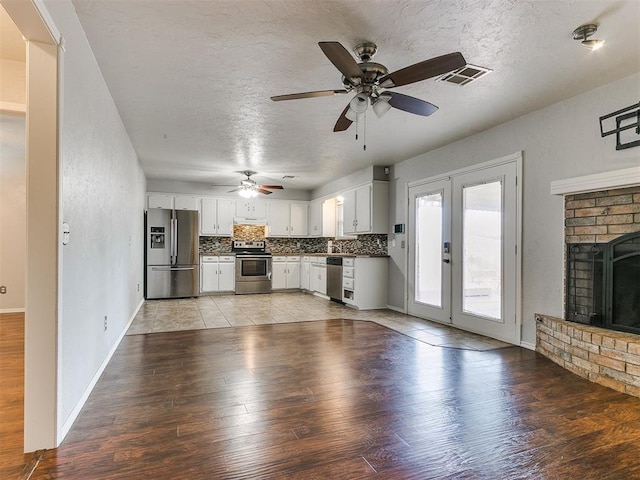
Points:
(341, 399)
(12, 460)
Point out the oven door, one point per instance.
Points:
(252, 269)
(253, 275)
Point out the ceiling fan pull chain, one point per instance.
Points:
(364, 132)
(357, 118)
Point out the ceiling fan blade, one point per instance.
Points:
(319, 93)
(235, 190)
(272, 187)
(343, 122)
(411, 104)
(262, 190)
(423, 70)
(342, 59)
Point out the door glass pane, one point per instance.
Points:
(482, 250)
(428, 281)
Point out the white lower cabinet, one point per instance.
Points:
(318, 278)
(364, 282)
(286, 272)
(305, 273)
(217, 274)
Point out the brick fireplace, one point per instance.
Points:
(595, 223)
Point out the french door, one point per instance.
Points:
(462, 250)
(429, 275)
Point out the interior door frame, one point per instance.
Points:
(514, 157)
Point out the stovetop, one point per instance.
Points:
(250, 248)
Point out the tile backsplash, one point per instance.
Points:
(363, 245)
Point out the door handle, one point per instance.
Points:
(446, 260)
(170, 269)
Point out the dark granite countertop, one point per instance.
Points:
(324, 254)
(296, 254)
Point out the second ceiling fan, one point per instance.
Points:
(371, 80)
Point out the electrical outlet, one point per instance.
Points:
(3, 289)
(138, 287)
(105, 323)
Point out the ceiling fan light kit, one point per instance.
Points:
(369, 80)
(359, 103)
(248, 187)
(381, 105)
(248, 192)
(583, 32)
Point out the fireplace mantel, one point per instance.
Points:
(627, 177)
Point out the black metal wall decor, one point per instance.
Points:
(626, 126)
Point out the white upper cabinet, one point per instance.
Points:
(299, 226)
(329, 218)
(186, 202)
(217, 216)
(158, 200)
(279, 213)
(288, 219)
(168, 201)
(366, 209)
(349, 212)
(315, 218)
(251, 209)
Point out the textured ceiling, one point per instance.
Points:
(192, 79)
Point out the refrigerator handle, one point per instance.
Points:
(174, 241)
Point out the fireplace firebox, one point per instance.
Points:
(603, 283)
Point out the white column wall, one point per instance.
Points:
(103, 190)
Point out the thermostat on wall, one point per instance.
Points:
(398, 228)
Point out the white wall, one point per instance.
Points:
(559, 141)
(13, 211)
(345, 183)
(102, 191)
(12, 81)
(13, 208)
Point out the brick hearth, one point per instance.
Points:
(606, 357)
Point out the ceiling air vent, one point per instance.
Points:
(464, 75)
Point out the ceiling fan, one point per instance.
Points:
(370, 80)
(248, 187)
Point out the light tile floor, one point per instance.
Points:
(224, 311)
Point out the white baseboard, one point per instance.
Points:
(396, 309)
(11, 310)
(528, 346)
(66, 426)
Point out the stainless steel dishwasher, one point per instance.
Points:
(334, 278)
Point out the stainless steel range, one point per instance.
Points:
(253, 267)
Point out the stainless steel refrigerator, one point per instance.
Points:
(173, 261)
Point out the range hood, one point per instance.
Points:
(250, 221)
